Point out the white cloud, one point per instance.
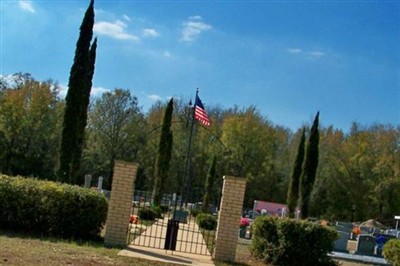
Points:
(63, 90)
(9, 79)
(167, 54)
(193, 28)
(197, 17)
(154, 97)
(310, 54)
(26, 6)
(98, 91)
(295, 50)
(126, 17)
(114, 30)
(316, 54)
(150, 33)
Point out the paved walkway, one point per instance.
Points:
(190, 243)
(359, 258)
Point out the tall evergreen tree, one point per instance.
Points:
(309, 169)
(77, 156)
(293, 191)
(164, 155)
(77, 99)
(209, 185)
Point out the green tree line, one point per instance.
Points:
(358, 171)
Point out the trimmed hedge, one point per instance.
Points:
(149, 214)
(391, 251)
(291, 242)
(51, 208)
(206, 221)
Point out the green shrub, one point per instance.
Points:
(264, 239)
(164, 208)
(149, 214)
(158, 212)
(51, 208)
(391, 251)
(292, 242)
(194, 212)
(206, 221)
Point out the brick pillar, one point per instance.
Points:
(229, 218)
(120, 204)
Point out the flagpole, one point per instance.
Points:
(187, 163)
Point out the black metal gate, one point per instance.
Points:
(172, 226)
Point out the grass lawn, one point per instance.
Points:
(19, 249)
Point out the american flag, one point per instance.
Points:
(199, 112)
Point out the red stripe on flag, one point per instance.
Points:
(201, 115)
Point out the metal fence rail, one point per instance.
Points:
(178, 221)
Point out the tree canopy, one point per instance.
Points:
(359, 168)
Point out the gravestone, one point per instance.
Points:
(100, 183)
(366, 245)
(365, 230)
(392, 232)
(88, 181)
(342, 228)
(376, 231)
(340, 245)
(348, 226)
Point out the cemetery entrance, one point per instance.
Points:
(172, 226)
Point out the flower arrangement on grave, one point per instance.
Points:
(244, 222)
(134, 219)
(356, 230)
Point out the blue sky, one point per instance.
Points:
(287, 58)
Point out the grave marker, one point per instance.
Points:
(340, 244)
(366, 245)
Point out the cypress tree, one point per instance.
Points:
(293, 191)
(164, 155)
(76, 108)
(309, 169)
(209, 185)
(76, 157)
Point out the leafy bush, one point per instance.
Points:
(164, 208)
(149, 214)
(194, 212)
(206, 221)
(265, 240)
(51, 208)
(292, 242)
(391, 251)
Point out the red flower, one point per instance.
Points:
(244, 221)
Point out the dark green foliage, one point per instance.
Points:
(264, 241)
(50, 208)
(85, 99)
(29, 127)
(292, 242)
(309, 169)
(209, 185)
(149, 214)
(164, 208)
(194, 212)
(391, 251)
(206, 221)
(77, 100)
(164, 154)
(293, 191)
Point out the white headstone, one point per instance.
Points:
(88, 181)
(100, 183)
